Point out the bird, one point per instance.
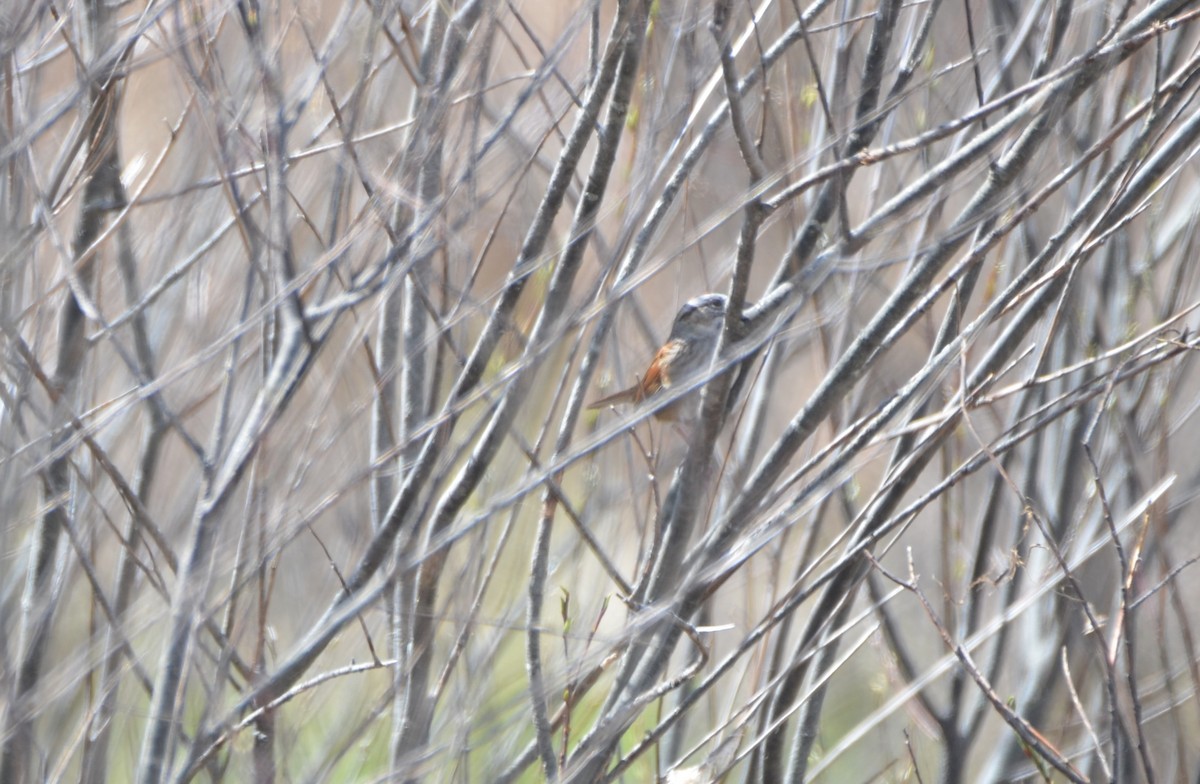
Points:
(688, 350)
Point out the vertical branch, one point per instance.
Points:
(628, 34)
(440, 57)
(867, 123)
(402, 325)
(291, 356)
(95, 763)
(649, 651)
(100, 197)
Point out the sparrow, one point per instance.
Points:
(688, 351)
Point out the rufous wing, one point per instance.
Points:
(658, 375)
(655, 379)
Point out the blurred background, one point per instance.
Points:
(302, 305)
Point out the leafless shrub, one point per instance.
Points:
(302, 304)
